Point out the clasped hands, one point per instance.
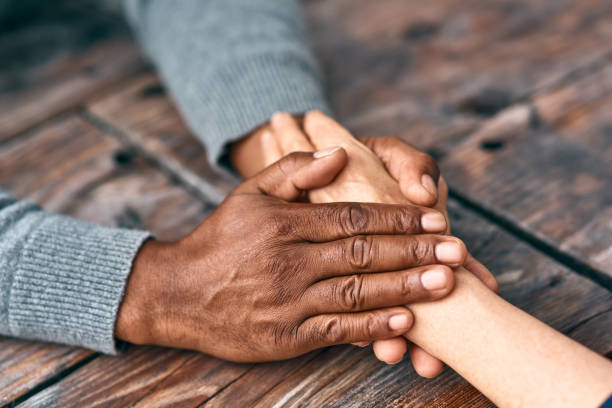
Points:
(269, 276)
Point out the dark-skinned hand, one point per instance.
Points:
(266, 277)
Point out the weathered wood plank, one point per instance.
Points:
(512, 97)
(550, 171)
(393, 62)
(347, 377)
(141, 112)
(144, 376)
(70, 167)
(250, 387)
(55, 58)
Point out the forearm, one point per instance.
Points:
(515, 359)
(61, 279)
(230, 64)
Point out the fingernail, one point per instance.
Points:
(325, 152)
(449, 252)
(433, 222)
(433, 279)
(399, 322)
(429, 184)
(278, 119)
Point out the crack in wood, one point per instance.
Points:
(570, 261)
(51, 381)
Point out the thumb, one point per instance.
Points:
(299, 171)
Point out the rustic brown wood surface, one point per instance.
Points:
(513, 98)
(53, 61)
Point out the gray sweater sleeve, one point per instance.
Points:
(61, 279)
(229, 64)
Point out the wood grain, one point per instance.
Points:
(55, 58)
(144, 376)
(392, 62)
(71, 168)
(141, 113)
(548, 171)
(511, 97)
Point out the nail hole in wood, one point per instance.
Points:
(151, 91)
(124, 157)
(90, 70)
(555, 280)
(491, 145)
(421, 30)
(487, 102)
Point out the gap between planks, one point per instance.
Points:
(51, 381)
(196, 185)
(565, 258)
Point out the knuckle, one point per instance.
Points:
(420, 251)
(406, 285)
(349, 294)
(371, 323)
(332, 331)
(408, 219)
(353, 219)
(360, 252)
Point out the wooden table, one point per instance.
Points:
(514, 98)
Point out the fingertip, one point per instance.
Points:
(425, 364)
(280, 119)
(390, 351)
(452, 251)
(401, 322)
(322, 170)
(433, 221)
(429, 184)
(492, 284)
(438, 280)
(418, 194)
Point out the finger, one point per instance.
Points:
(381, 253)
(362, 343)
(331, 221)
(361, 292)
(481, 272)
(289, 135)
(416, 172)
(270, 149)
(390, 351)
(323, 131)
(424, 363)
(343, 328)
(288, 177)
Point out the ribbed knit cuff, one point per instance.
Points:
(70, 281)
(243, 95)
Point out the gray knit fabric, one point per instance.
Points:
(229, 65)
(61, 279)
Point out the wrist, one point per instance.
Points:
(138, 316)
